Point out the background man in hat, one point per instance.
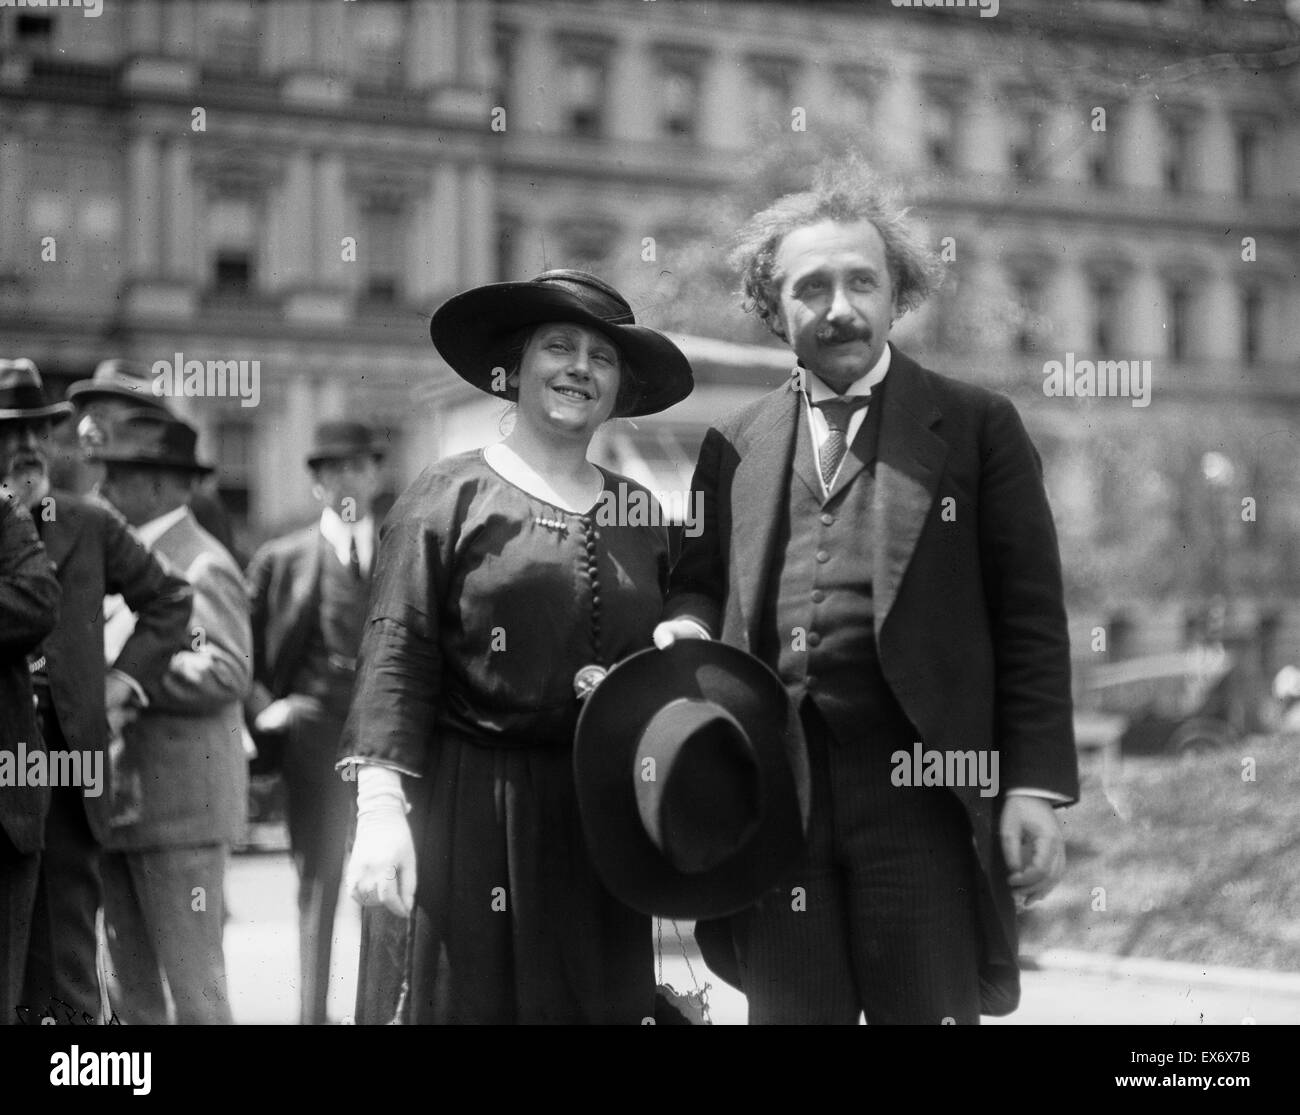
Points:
(180, 780)
(116, 388)
(880, 536)
(309, 593)
(29, 608)
(80, 701)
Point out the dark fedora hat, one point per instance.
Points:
(339, 440)
(692, 780)
(22, 394)
(118, 379)
(470, 329)
(151, 438)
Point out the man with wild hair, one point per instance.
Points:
(879, 535)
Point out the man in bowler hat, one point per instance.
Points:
(309, 593)
(81, 703)
(879, 535)
(180, 779)
(116, 388)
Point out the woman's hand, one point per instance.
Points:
(670, 630)
(382, 868)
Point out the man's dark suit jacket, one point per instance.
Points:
(29, 609)
(95, 554)
(284, 586)
(969, 614)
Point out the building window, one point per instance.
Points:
(232, 241)
(856, 89)
(680, 104)
(236, 450)
(1249, 162)
(941, 134)
(771, 96)
(1178, 325)
(34, 34)
(382, 251)
(1176, 155)
(1104, 296)
(588, 242)
(1027, 288)
(584, 87)
(1026, 150)
(1252, 325)
(507, 248)
(503, 45)
(381, 33)
(1101, 153)
(234, 35)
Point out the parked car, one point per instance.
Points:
(1166, 704)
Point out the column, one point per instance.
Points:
(725, 124)
(477, 224)
(1068, 306)
(981, 131)
(330, 220)
(430, 51)
(1215, 164)
(1140, 145)
(447, 266)
(144, 200)
(472, 53)
(144, 27)
(13, 174)
(331, 39)
(293, 211)
(1069, 141)
(1219, 302)
(1146, 301)
(537, 80)
(900, 132)
(178, 226)
(179, 19)
(633, 81)
(288, 42)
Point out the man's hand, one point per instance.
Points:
(1034, 846)
(671, 630)
(279, 715)
(119, 705)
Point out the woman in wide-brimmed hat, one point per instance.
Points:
(501, 595)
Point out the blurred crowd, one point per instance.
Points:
(141, 667)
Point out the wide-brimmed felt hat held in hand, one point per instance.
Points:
(692, 780)
(470, 329)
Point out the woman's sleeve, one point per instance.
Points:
(399, 667)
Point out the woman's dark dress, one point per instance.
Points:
(480, 615)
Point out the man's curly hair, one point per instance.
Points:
(846, 191)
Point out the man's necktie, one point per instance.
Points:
(838, 412)
(354, 559)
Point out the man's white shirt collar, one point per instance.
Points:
(818, 392)
(154, 529)
(339, 535)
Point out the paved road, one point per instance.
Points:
(261, 956)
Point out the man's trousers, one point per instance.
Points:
(320, 808)
(163, 912)
(880, 916)
(62, 973)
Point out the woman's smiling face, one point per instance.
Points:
(569, 377)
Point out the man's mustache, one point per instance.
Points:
(838, 334)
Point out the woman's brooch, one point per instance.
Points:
(558, 525)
